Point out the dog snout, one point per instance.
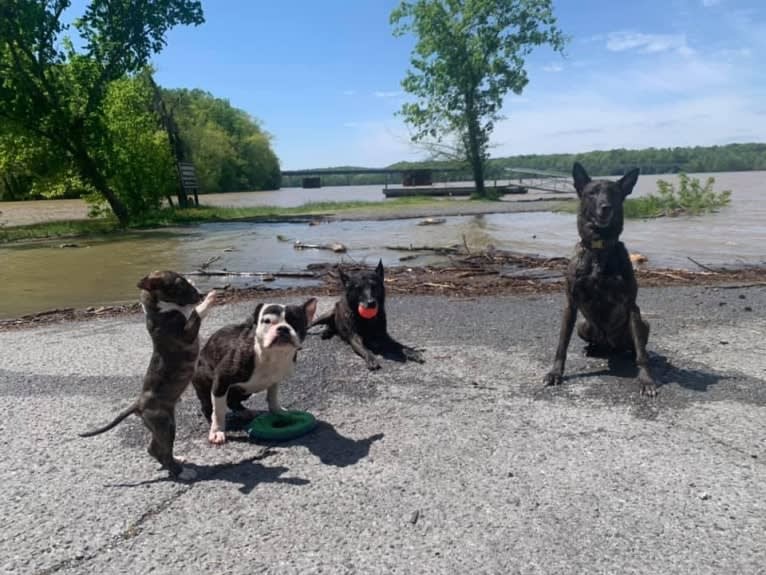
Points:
(605, 210)
(371, 304)
(283, 331)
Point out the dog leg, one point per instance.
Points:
(217, 436)
(203, 308)
(163, 428)
(272, 398)
(328, 320)
(358, 346)
(639, 330)
(389, 344)
(568, 319)
(191, 328)
(205, 399)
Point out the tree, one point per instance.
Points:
(230, 150)
(57, 93)
(469, 54)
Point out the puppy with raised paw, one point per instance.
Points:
(600, 282)
(174, 310)
(242, 359)
(359, 318)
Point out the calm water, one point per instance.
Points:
(44, 276)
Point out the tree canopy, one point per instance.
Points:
(468, 55)
(55, 92)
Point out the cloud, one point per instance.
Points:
(709, 3)
(387, 94)
(553, 68)
(349, 92)
(647, 43)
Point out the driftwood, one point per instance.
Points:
(432, 221)
(411, 248)
(704, 267)
(336, 247)
(227, 273)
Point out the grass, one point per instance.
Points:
(170, 217)
(690, 198)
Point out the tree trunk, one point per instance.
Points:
(89, 170)
(475, 152)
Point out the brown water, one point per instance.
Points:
(44, 276)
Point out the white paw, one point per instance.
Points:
(217, 437)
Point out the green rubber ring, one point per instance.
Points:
(284, 427)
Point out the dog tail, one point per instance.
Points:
(128, 411)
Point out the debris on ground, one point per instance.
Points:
(465, 274)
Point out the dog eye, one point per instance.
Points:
(266, 320)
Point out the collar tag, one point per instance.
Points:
(597, 244)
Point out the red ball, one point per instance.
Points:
(367, 312)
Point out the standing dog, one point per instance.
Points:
(600, 281)
(359, 317)
(173, 317)
(246, 358)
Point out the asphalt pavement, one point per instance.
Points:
(462, 464)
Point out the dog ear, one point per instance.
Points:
(310, 308)
(580, 177)
(379, 269)
(148, 283)
(628, 181)
(257, 312)
(342, 275)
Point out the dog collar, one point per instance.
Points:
(597, 244)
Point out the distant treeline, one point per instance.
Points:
(729, 158)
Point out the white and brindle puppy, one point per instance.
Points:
(239, 360)
(174, 310)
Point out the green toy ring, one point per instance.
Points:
(282, 427)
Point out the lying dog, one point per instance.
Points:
(600, 281)
(173, 317)
(239, 360)
(359, 317)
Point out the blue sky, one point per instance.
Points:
(324, 77)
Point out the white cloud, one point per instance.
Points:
(387, 94)
(349, 92)
(647, 43)
(709, 3)
(553, 68)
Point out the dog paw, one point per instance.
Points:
(217, 437)
(373, 364)
(553, 378)
(648, 388)
(327, 334)
(414, 355)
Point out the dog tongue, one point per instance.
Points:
(367, 312)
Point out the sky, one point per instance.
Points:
(324, 78)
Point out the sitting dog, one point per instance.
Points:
(359, 317)
(600, 281)
(173, 317)
(239, 360)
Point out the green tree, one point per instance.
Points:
(468, 55)
(230, 150)
(57, 93)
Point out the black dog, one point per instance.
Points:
(239, 360)
(600, 281)
(173, 317)
(359, 318)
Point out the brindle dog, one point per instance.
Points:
(600, 281)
